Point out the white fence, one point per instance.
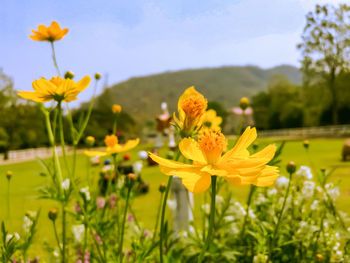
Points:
(309, 132)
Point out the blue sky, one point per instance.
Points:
(132, 38)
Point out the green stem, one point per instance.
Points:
(157, 218)
(60, 123)
(115, 124)
(56, 236)
(272, 244)
(123, 224)
(54, 58)
(63, 234)
(8, 200)
(74, 160)
(211, 219)
(58, 172)
(251, 193)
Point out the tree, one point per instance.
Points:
(325, 48)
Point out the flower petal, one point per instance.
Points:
(194, 180)
(168, 163)
(267, 177)
(83, 83)
(190, 149)
(95, 153)
(129, 145)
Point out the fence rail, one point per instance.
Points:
(309, 132)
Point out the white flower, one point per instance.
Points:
(86, 192)
(281, 182)
(332, 191)
(15, 235)
(78, 231)
(229, 218)
(308, 189)
(143, 155)
(219, 200)
(66, 184)
(272, 191)
(314, 205)
(206, 208)
(137, 167)
(191, 229)
(304, 173)
(27, 224)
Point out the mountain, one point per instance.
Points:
(141, 96)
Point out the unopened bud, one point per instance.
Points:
(116, 108)
(162, 187)
(69, 75)
(9, 175)
(319, 256)
(97, 76)
(291, 167)
(244, 103)
(131, 176)
(53, 214)
(90, 140)
(306, 144)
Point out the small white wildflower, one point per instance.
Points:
(229, 218)
(272, 191)
(281, 182)
(308, 189)
(66, 184)
(137, 167)
(86, 192)
(304, 173)
(219, 200)
(315, 205)
(191, 229)
(27, 223)
(10, 236)
(143, 155)
(332, 191)
(206, 208)
(78, 231)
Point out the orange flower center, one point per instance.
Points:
(194, 106)
(212, 144)
(111, 140)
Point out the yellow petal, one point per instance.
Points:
(168, 163)
(240, 149)
(83, 83)
(30, 95)
(214, 170)
(267, 153)
(267, 176)
(194, 180)
(129, 145)
(190, 149)
(95, 153)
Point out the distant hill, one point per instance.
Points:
(141, 96)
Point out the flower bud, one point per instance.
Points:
(306, 144)
(162, 187)
(9, 175)
(319, 256)
(69, 75)
(131, 176)
(291, 167)
(116, 108)
(97, 76)
(90, 140)
(244, 103)
(53, 214)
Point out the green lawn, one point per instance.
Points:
(323, 153)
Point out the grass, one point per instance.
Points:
(323, 153)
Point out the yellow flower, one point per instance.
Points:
(113, 146)
(237, 166)
(191, 108)
(211, 121)
(56, 88)
(51, 33)
(116, 108)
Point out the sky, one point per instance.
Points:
(122, 39)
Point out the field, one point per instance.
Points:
(323, 153)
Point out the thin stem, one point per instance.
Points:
(74, 160)
(54, 58)
(57, 238)
(8, 199)
(251, 193)
(123, 223)
(272, 244)
(161, 235)
(157, 218)
(211, 219)
(115, 124)
(63, 234)
(60, 123)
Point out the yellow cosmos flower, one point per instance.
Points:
(51, 33)
(211, 121)
(191, 107)
(237, 166)
(56, 88)
(113, 146)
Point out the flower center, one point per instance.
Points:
(111, 140)
(194, 106)
(212, 144)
